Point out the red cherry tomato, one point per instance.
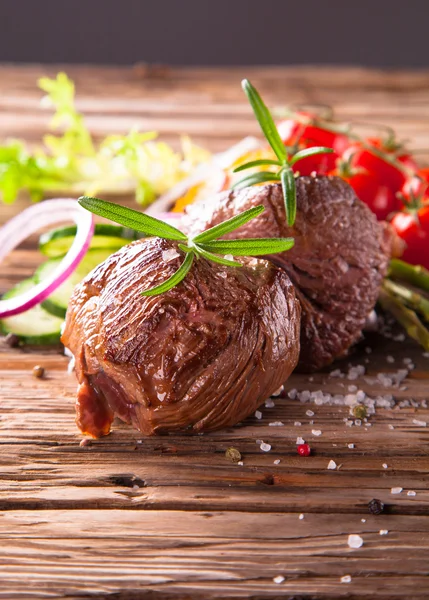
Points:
(386, 172)
(379, 198)
(391, 147)
(416, 186)
(414, 230)
(315, 132)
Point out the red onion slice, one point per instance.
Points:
(31, 220)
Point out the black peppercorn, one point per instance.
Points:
(375, 506)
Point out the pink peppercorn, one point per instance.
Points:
(303, 450)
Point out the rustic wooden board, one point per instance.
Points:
(129, 517)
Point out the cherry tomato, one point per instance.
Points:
(386, 172)
(414, 230)
(379, 198)
(392, 147)
(416, 186)
(314, 132)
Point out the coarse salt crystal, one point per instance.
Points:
(351, 446)
(385, 466)
(346, 579)
(222, 274)
(292, 394)
(228, 257)
(355, 541)
(332, 465)
(301, 516)
(299, 441)
(277, 461)
(309, 413)
(391, 427)
(419, 423)
(279, 579)
(383, 531)
(269, 403)
(265, 447)
(258, 414)
(316, 432)
(390, 359)
(335, 373)
(169, 255)
(241, 463)
(363, 520)
(411, 493)
(297, 424)
(278, 391)
(276, 424)
(396, 490)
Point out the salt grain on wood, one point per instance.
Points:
(354, 541)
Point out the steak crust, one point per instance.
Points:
(201, 356)
(337, 264)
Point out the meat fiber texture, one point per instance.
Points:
(201, 356)
(337, 264)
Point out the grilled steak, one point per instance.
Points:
(201, 356)
(338, 262)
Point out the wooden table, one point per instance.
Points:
(165, 517)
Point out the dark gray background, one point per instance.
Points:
(384, 33)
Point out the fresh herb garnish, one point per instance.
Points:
(284, 161)
(70, 160)
(204, 245)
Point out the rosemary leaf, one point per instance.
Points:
(257, 163)
(217, 259)
(174, 280)
(262, 177)
(230, 225)
(289, 194)
(249, 246)
(265, 120)
(131, 218)
(309, 152)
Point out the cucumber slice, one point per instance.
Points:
(58, 301)
(35, 326)
(57, 242)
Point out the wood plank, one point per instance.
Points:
(163, 517)
(228, 554)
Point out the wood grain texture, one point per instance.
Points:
(169, 517)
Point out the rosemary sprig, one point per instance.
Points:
(205, 245)
(284, 161)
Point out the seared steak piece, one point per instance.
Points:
(201, 356)
(338, 262)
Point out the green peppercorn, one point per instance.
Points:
(233, 454)
(359, 411)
